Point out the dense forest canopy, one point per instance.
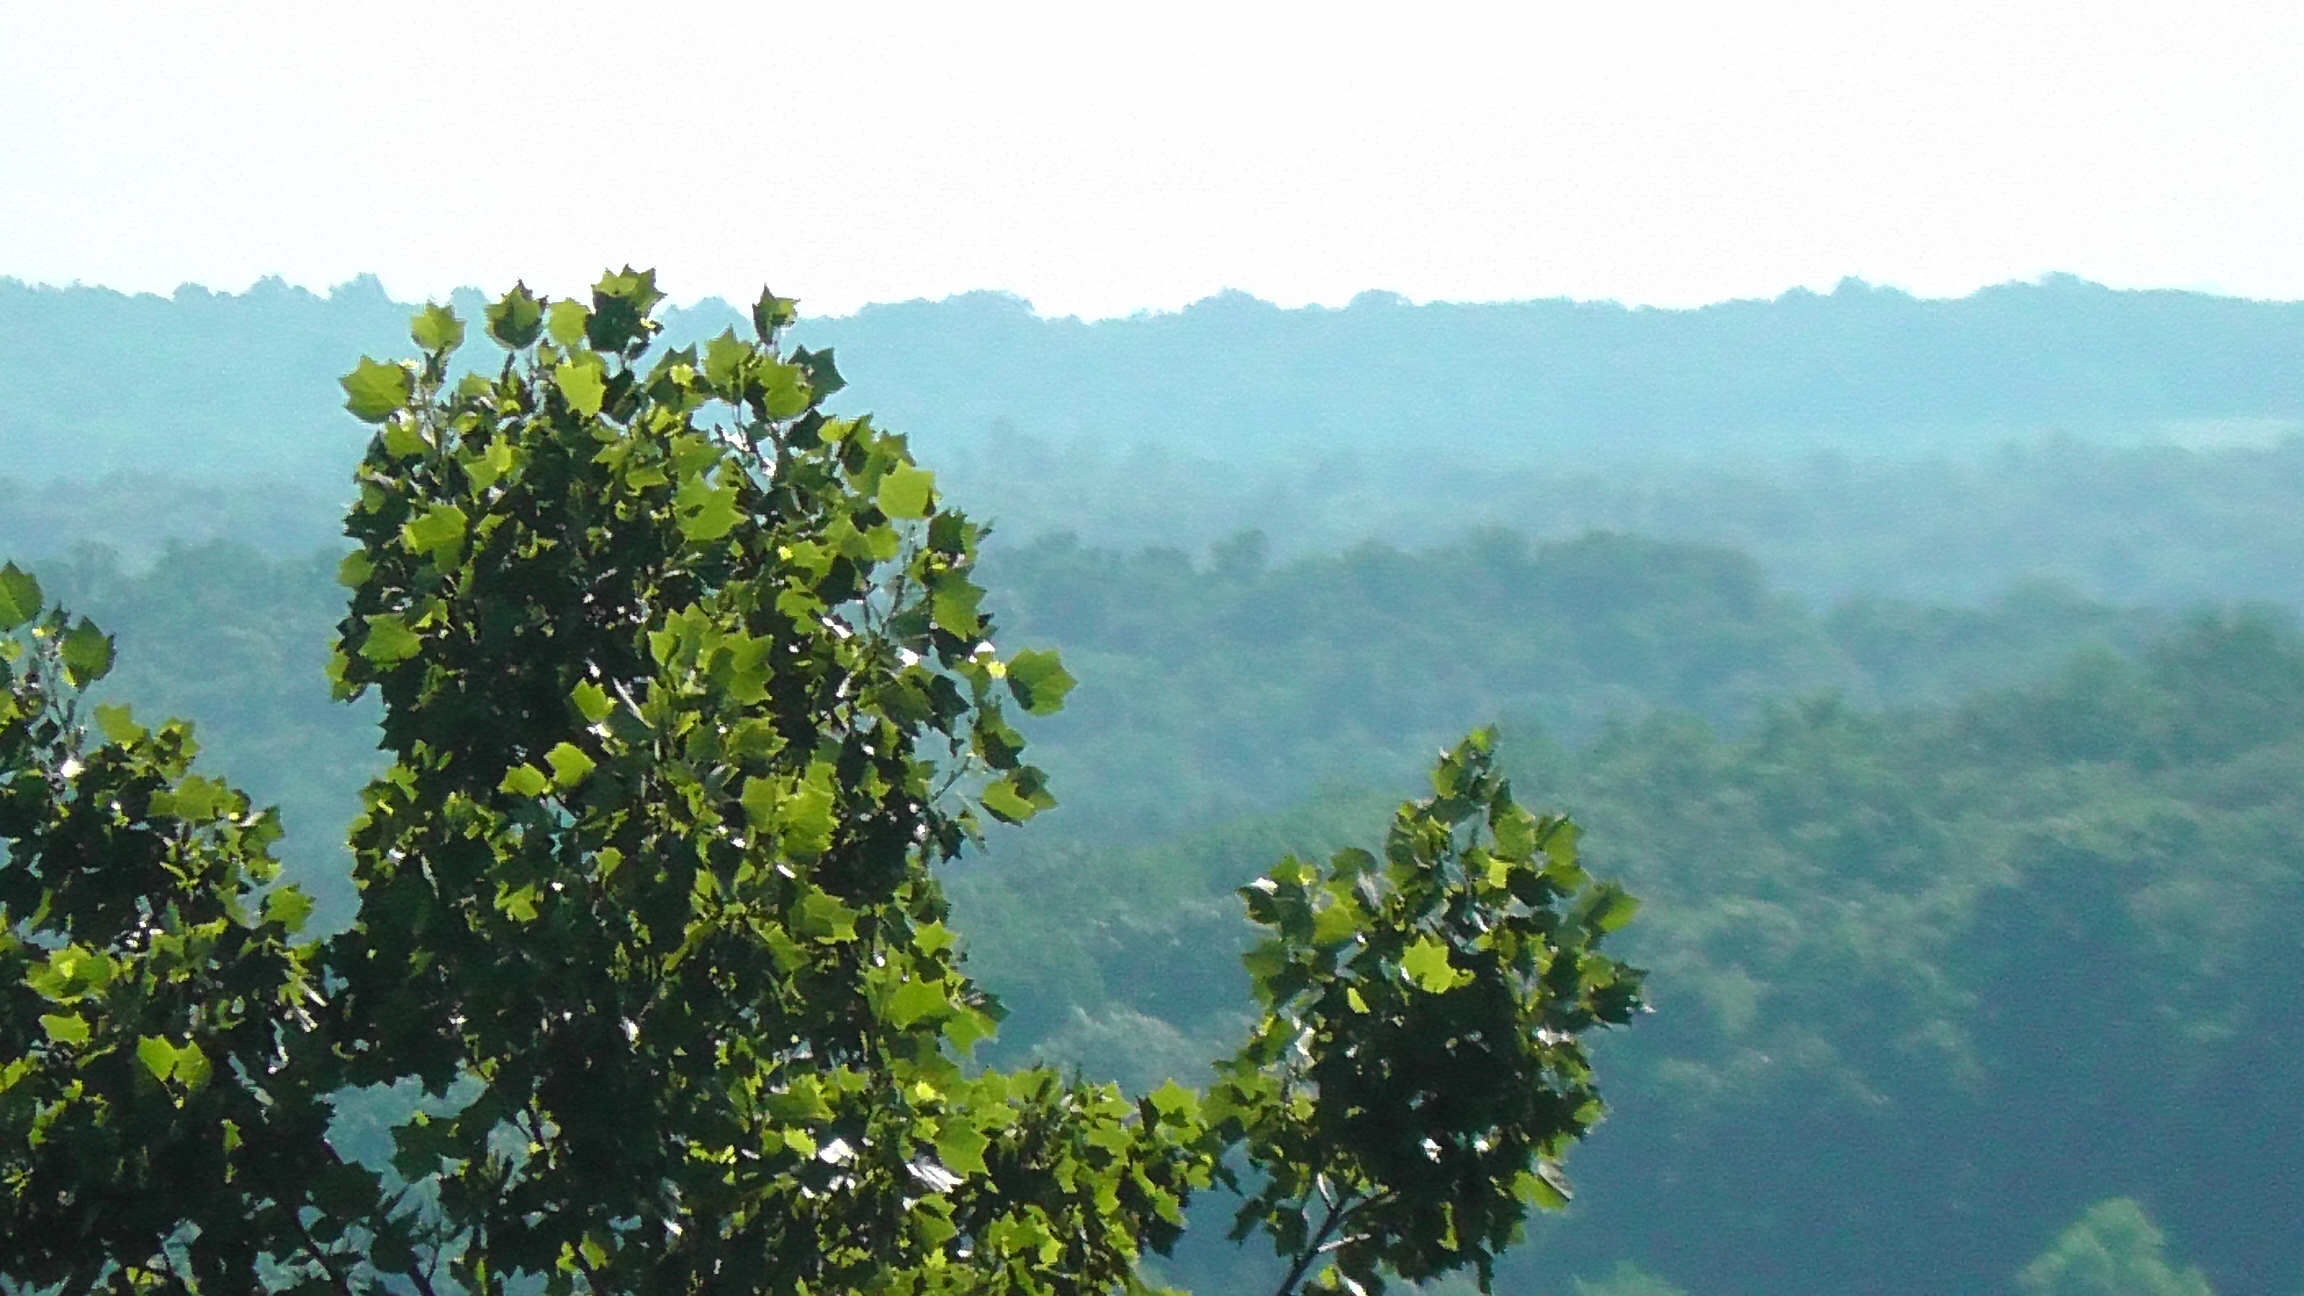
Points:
(1931, 668)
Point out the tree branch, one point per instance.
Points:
(1338, 1207)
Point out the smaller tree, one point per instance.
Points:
(159, 1127)
(1419, 1071)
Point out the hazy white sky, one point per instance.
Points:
(1105, 158)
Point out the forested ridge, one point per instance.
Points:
(1929, 669)
(1926, 885)
(237, 382)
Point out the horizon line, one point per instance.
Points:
(369, 283)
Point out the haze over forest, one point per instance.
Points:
(1931, 667)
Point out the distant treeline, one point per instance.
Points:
(2157, 525)
(1231, 685)
(2139, 447)
(93, 381)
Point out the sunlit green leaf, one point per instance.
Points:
(157, 1055)
(706, 512)
(1515, 834)
(373, 392)
(488, 467)
(565, 323)
(355, 570)
(517, 903)
(118, 724)
(1337, 923)
(953, 605)
(914, 1000)
(583, 382)
(1426, 963)
(784, 388)
(805, 818)
(436, 330)
(390, 640)
(515, 318)
(905, 492)
(570, 765)
(1544, 1187)
(932, 938)
(1007, 803)
(1611, 908)
(404, 439)
(1175, 1101)
(823, 917)
(761, 799)
(1039, 681)
(19, 597)
(726, 360)
(960, 1146)
(524, 780)
(87, 654)
(65, 1028)
(194, 800)
(437, 533)
(592, 701)
(1560, 843)
(289, 907)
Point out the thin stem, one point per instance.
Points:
(1338, 1207)
(421, 1276)
(319, 1253)
(295, 1216)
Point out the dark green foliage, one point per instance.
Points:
(670, 700)
(218, 633)
(1419, 1072)
(157, 1128)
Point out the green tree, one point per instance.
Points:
(158, 1121)
(687, 691)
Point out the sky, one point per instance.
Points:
(1103, 159)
